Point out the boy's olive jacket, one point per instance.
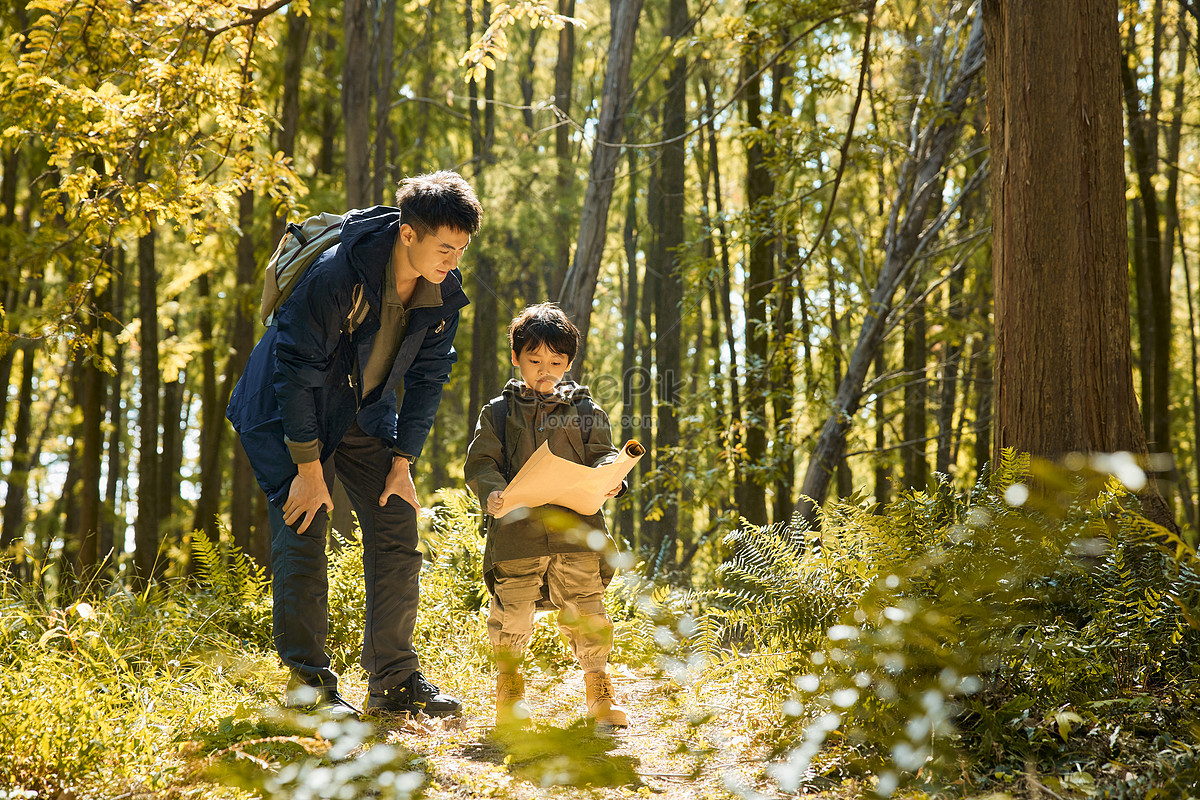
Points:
(533, 419)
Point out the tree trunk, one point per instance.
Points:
(92, 407)
(565, 175)
(1143, 141)
(579, 286)
(913, 429)
(752, 503)
(212, 424)
(299, 30)
(668, 343)
(883, 467)
(385, 49)
(1061, 279)
(356, 101)
(146, 527)
(241, 522)
(112, 526)
(16, 496)
(625, 515)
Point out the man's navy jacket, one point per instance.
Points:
(304, 378)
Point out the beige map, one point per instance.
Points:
(547, 479)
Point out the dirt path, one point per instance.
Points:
(681, 744)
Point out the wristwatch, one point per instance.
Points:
(412, 460)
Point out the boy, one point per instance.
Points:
(319, 397)
(539, 557)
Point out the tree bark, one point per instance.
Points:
(146, 527)
(1061, 279)
(91, 406)
(564, 177)
(913, 429)
(625, 516)
(668, 342)
(385, 49)
(241, 522)
(112, 526)
(356, 101)
(579, 286)
(752, 502)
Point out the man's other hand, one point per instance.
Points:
(307, 496)
(400, 484)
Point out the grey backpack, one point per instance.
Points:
(299, 248)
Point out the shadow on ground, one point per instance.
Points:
(550, 755)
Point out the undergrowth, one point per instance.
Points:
(1034, 636)
(1036, 631)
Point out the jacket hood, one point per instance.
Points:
(565, 392)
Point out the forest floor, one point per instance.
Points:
(690, 743)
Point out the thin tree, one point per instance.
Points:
(579, 286)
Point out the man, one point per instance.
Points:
(318, 397)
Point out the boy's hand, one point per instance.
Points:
(400, 483)
(494, 502)
(306, 497)
(613, 492)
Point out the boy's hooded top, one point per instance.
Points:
(303, 381)
(533, 419)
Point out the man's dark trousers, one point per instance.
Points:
(391, 569)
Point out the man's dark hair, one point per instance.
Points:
(436, 200)
(544, 324)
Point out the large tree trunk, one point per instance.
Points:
(356, 101)
(1061, 279)
(579, 287)
(926, 178)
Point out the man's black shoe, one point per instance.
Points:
(319, 700)
(414, 695)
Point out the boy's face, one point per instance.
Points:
(541, 368)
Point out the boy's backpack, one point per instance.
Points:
(299, 248)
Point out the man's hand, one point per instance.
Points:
(400, 483)
(306, 497)
(494, 502)
(616, 490)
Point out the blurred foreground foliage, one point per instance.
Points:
(1033, 633)
(1034, 636)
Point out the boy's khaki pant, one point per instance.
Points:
(575, 587)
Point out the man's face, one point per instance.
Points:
(438, 252)
(541, 368)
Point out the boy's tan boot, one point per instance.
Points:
(510, 699)
(600, 701)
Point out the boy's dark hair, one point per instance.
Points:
(544, 324)
(438, 199)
